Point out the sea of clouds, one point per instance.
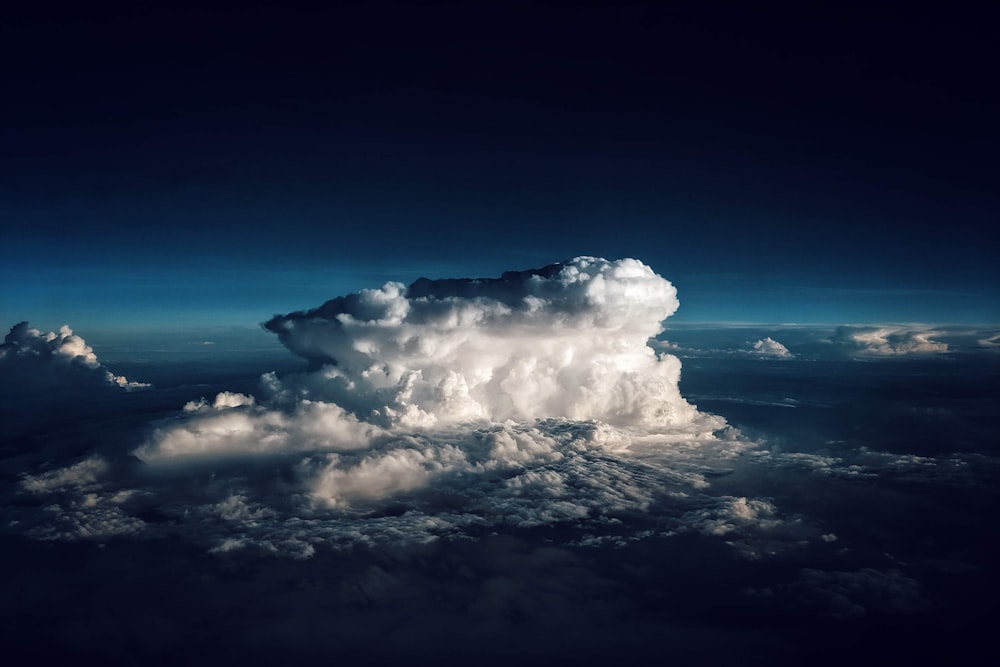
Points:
(442, 409)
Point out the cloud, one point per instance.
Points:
(82, 475)
(567, 340)
(234, 426)
(518, 401)
(889, 341)
(768, 347)
(991, 340)
(79, 503)
(32, 361)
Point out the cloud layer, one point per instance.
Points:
(442, 409)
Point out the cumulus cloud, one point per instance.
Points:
(567, 340)
(768, 347)
(32, 360)
(82, 475)
(890, 341)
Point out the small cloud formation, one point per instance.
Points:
(223, 400)
(79, 503)
(890, 341)
(990, 341)
(768, 347)
(82, 475)
(32, 359)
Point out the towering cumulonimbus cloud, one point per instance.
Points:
(568, 340)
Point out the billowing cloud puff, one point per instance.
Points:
(890, 341)
(768, 347)
(233, 425)
(63, 359)
(567, 340)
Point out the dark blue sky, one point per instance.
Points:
(163, 165)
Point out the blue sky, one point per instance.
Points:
(167, 166)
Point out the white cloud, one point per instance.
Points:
(234, 426)
(63, 360)
(731, 514)
(768, 347)
(890, 340)
(564, 341)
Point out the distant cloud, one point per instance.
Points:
(60, 361)
(79, 504)
(889, 341)
(222, 401)
(768, 347)
(992, 340)
(80, 475)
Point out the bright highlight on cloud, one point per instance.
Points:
(768, 347)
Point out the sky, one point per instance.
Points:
(172, 165)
